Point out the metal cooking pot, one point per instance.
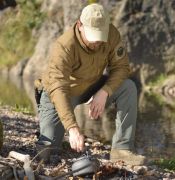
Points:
(85, 165)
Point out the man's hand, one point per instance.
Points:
(76, 139)
(97, 104)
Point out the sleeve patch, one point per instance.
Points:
(120, 50)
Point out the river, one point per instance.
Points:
(155, 133)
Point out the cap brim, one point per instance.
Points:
(96, 35)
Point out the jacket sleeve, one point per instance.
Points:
(118, 66)
(59, 71)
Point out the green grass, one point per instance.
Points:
(16, 41)
(166, 163)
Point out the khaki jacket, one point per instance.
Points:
(73, 68)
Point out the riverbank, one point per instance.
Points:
(20, 134)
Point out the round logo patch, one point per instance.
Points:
(120, 51)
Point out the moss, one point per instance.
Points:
(16, 41)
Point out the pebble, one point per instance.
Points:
(141, 170)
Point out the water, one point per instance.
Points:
(14, 94)
(155, 133)
(156, 127)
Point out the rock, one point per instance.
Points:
(72, 10)
(149, 30)
(167, 175)
(16, 72)
(154, 173)
(18, 69)
(140, 170)
(168, 89)
(60, 17)
(50, 29)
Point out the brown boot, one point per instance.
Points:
(127, 156)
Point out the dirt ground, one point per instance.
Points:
(20, 134)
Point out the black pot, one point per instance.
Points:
(84, 166)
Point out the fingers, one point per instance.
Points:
(80, 144)
(77, 143)
(95, 111)
(97, 104)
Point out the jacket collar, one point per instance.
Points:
(82, 44)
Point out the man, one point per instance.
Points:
(75, 75)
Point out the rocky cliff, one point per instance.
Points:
(147, 26)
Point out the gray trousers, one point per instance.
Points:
(125, 99)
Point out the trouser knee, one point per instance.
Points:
(130, 87)
(51, 128)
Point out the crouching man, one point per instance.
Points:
(75, 74)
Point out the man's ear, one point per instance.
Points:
(79, 25)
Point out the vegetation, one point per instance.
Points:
(158, 79)
(166, 164)
(16, 41)
(157, 98)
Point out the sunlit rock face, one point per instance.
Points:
(149, 29)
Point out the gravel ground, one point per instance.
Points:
(20, 135)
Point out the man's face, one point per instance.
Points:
(93, 45)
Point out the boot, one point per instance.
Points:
(127, 156)
(44, 150)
